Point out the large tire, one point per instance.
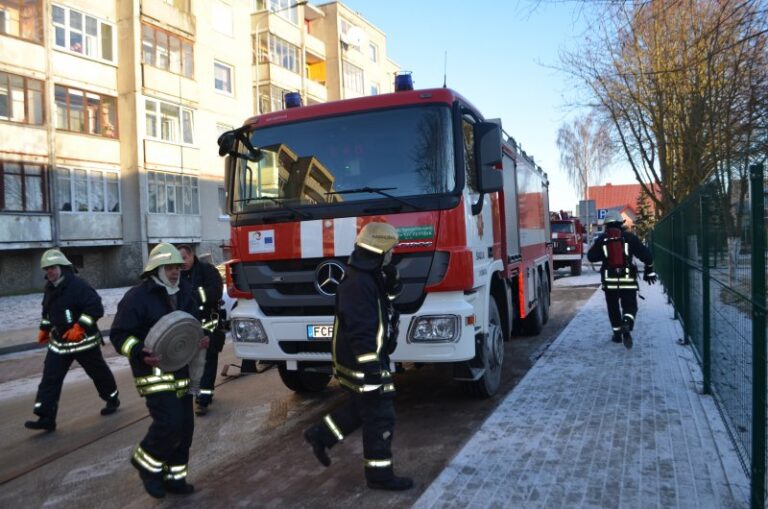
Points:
(534, 322)
(545, 301)
(492, 356)
(303, 381)
(576, 268)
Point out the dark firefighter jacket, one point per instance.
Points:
(73, 301)
(207, 284)
(626, 277)
(361, 329)
(140, 309)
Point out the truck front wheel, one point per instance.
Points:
(301, 380)
(492, 356)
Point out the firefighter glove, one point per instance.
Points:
(42, 337)
(74, 334)
(649, 276)
(392, 284)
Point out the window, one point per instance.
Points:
(21, 99)
(221, 17)
(222, 202)
(271, 98)
(373, 52)
(169, 122)
(22, 19)
(83, 34)
(222, 77)
(374, 88)
(467, 128)
(82, 190)
(85, 112)
(22, 187)
(166, 51)
(283, 53)
(172, 193)
(353, 80)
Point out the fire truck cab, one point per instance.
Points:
(470, 208)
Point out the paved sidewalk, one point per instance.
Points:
(594, 425)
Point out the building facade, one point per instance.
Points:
(110, 111)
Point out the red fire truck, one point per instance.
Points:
(470, 208)
(567, 242)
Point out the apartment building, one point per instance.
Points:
(110, 111)
(109, 115)
(326, 52)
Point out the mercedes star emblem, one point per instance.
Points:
(328, 276)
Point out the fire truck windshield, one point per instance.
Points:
(562, 227)
(407, 151)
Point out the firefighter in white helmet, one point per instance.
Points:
(364, 335)
(616, 248)
(162, 456)
(71, 308)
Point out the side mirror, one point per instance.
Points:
(488, 143)
(226, 143)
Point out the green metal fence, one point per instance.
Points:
(710, 255)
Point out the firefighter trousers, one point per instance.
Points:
(208, 379)
(621, 303)
(376, 414)
(169, 437)
(55, 369)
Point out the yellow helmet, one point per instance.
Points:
(163, 254)
(377, 237)
(53, 257)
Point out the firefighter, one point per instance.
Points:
(162, 456)
(71, 308)
(206, 281)
(616, 248)
(364, 335)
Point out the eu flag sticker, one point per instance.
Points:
(261, 241)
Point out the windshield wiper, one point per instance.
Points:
(377, 190)
(281, 203)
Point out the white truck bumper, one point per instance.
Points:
(294, 328)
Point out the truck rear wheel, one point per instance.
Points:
(576, 268)
(492, 357)
(534, 322)
(302, 380)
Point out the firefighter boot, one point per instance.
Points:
(626, 335)
(111, 407)
(153, 484)
(394, 483)
(44, 423)
(616, 338)
(179, 487)
(200, 408)
(314, 438)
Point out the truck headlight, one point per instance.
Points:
(248, 330)
(434, 329)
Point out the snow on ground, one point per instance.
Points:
(23, 311)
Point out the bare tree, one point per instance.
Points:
(585, 151)
(683, 84)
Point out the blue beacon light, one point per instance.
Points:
(292, 100)
(403, 81)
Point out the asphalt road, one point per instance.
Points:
(248, 451)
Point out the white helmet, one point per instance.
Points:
(613, 216)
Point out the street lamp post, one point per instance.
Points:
(258, 45)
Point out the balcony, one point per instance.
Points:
(177, 15)
(316, 91)
(315, 47)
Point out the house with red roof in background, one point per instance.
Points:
(620, 197)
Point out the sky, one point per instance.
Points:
(502, 56)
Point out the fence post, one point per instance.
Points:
(757, 203)
(706, 365)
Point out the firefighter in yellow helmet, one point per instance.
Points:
(364, 336)
(616, 248)
(162, 456)
(71, 308)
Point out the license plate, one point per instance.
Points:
(319, 331)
